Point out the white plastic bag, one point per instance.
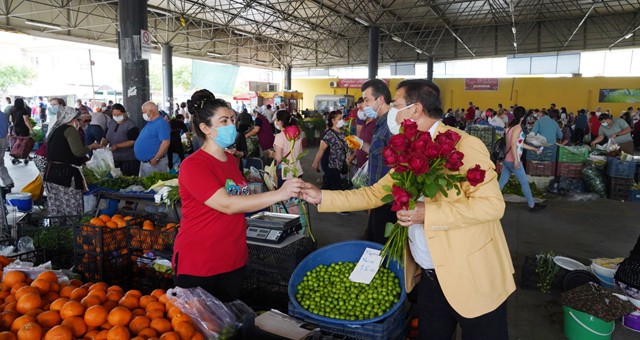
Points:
(102, 163)
(536, 140)
(361, 178)
(211, 317)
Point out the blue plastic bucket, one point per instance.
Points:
(349, 251)
(20, 200)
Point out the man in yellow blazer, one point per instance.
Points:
(457, 253)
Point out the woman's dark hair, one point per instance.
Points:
(424, 92)
(20, 106)
(286, 118)
(59, 100)
(331, 116)
(518, 113)
(119, 107)
(202, 106)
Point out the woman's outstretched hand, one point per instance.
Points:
(311, 193)
(291, 188)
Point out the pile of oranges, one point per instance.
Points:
(46, 309)
(116, 221)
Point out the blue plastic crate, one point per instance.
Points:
(634, 195)
(388, 328)
(620, 169)
(548, 154)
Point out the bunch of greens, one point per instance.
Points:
(149, 181)
(547, 270)
(513, 187)
(173, 196)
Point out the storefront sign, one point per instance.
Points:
(481, 84)
(355, 83)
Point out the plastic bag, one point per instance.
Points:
(594, 180)
(102, 163)
(361, 177)
(25, 243)
(584, 196)
(536, 140)
(211, 317)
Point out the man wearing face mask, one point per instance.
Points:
(153, 142)
(377, 103)
(365, 132)
(616, 128)
(548, 128)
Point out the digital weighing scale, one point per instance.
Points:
(271, 227)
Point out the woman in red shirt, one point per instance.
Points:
(210, 250)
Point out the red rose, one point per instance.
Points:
(399, 168)
(398, 142)
(410, 128)
(446, 149)
(425, 136)
(454, 161)
(400, 198)
(418, 164)
(292, 132)
(448, 136)
(475, 175)
(389, 156)
(432, 151)
(418, 145)
(403, 158)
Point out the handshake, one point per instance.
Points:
(296, 187)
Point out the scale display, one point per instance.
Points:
(265, 235)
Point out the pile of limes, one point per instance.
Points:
(327, 291)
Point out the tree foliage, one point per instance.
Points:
(15, 75)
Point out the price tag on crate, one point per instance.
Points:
(367, 267)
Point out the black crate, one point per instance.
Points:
(539, 168)
(159, 239)
(620, 169)
(548, 154)
(274, 265)
(569, 169)
(98, 240)
(32, 256)
(144, 277)
(55, 243)
(618, 188)
(114, 268)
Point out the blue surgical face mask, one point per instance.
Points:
(370, 112)
(54, 109)
(226, 135)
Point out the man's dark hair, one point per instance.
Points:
(424, 92)
(378, 88)
(360, 100)
(119, 107)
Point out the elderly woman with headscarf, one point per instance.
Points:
(121, 134)
(65, 154)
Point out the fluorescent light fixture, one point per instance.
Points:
(261, 61)
(513, 29)
(362, 21)
(628, 35)
(419, 50)
(42, 24)
(396, 38)
(212, 54)
(159, 11)
(515, 44)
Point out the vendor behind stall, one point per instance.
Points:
(617, 129)
(121, 134)
(210, 249)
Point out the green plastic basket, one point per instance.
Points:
(582, 326)
(566, 155)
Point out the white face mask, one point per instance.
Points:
(118, 119)
(361, 115)
(392, 123)
(340, 124)
(145, 117)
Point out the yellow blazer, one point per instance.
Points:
(464, 234)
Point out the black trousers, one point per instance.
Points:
(378, 219)
(178, 148)
(226, 287)
(438, 320)
(332, 180)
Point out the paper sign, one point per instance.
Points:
(367, 267)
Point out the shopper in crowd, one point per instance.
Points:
(153, 142)
(121, 135)
(547, 127)
(262, 128)
(581, 127)
(332, 153)
(616, 129)
(636, 134)
(594, 125)
(84, 120)
(458, 255)
(178, 128)
(245, 121)
(96, 129)
(566, 138)
(282, 147)
(210, 249)
(20, 116)
(7, 181)
(366, 131)
(512, 163)
(63, 178)
(626, 116)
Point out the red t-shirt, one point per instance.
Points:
(209, 242)
(595, 125)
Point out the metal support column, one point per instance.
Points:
(135, 70)
(167, 78)
(287, 78)
(430, 68)
(374, 41)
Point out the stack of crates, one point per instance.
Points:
(100, 253)
(569, 168)
(621, 175)
(543, 164)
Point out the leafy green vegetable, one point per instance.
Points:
(173, 196)
(513, 187)
(152, 179)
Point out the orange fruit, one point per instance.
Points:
(114, 296)
(71, 308)
(10, 307)
(180, 317)
(4, 261)
(79, 293)
(138, 312)
(58, 303)
(110, 305)
(161, 325)
(50, 297)
(170, 336)
(120, 316)
(97, 222)
(102, 335)
(157, 293)
(66, 291)
(139, 323)
(34, 312)
(28, 302)
(42, 285)
(134, 292)
(154, 314)
(90, 300)
(185, 329)
(21, 321)
(154, 305)
(99, 286)
(26, 290)
(126, 218)
(118, 333)
(95, 316)
(99, 293)
(117, 216)
(92, 334)
(129, 301)
(104, 218)
(48, 275)
(7, 318)
(17, 287)
(146, 299)
(148, 225)
(30, 331)
(55, 287)
(121, 223)
(198, 336)
(173, 312)
(6, 335)
(111, 225)
(75, 282)
(59, 333)
(148, 333)
(13, 277)
(76, 324)
(48, 319)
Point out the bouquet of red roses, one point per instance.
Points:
(423, 167)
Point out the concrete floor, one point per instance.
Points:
(580, 230)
